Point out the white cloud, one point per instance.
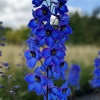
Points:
(74, 10)
(15, 13)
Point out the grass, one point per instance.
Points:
(82, 55)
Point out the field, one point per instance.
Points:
(82, 55)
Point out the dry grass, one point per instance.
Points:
(83, 55)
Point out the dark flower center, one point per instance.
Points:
(60, 5)
(64, 90)
(62, 64)
(37, 78)
(44, 11)
(48, 32)
(50, 67)
(62, 27)
(33, 54)
(36, 20)
(53, 52)
(62, 37)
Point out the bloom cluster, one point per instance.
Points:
(95, 82)
(74, 75)
(46, 45)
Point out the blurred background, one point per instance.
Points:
(82, 48)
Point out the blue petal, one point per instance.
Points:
(60, 54)
(44, 81)
(27, 54)
(31, 87)
(65, 85)
(55, 34)
(48, 61)
(46, 52)
(32, 24)
(29, 78)
(42, 41)
(37, 71)
(65, 66)
(68, 30)
(38, 88)
(37, 2)
(31, 62)
(64, 8)
(55, 60)
(40, 33)
(68, 92)
(63, 74)
(49, 41)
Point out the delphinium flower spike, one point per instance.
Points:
(74, 75)
(95, 82)
(47, 44)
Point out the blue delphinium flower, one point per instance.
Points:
(52, 71)
(36, 81)
(34, 43)
(61, 8)
(74, 75)
(61, 70)
(65, 30)
(32, 57)
(53, 56)
(37, 2)
(33, 24)
(64, 20)
(48, 34)
(97, 72)
(64, 91)
(97, 61)
(42, 14)
(95, 82)
(52, 91)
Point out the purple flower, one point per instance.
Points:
(36, 81)
(32, 57)
(53, 56)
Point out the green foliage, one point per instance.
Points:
(86, 29)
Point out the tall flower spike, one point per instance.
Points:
(47, 44)
(95, 82)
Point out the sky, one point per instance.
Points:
(17, 13)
